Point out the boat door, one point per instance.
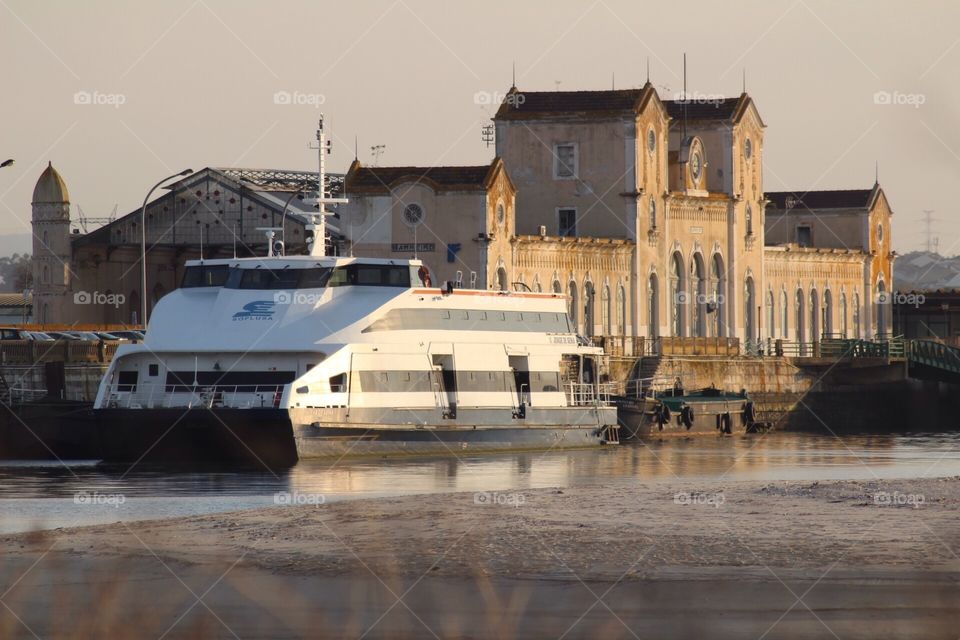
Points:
(520, 365)
(447, 378)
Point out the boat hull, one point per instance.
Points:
(638, 417)
(278, 437)
(336, 432)
(257, 437)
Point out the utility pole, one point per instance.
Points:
(928, 221)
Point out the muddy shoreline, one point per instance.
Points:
(876, 558)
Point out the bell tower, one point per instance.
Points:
(51, 246)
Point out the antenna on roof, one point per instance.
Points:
(648, 68)
(613, 80)
(513, 82)
(377, 151)
(683, 130)
(876, 172)
(556, 84)
(744, 79)
(356, 148)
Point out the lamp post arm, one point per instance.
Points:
(143, 244)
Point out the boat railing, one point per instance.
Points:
(645, 387)
(20, 395)
(239, 396)
(581, 394)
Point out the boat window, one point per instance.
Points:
(315, 278)
(370, 275)
(202, 275)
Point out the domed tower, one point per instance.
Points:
(51, 246)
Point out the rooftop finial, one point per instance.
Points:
(648, 69)
(513, 83)
(744, 79)
(876, 172)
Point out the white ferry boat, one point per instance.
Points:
(285, 357)
(293, 357)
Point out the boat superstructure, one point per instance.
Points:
(304, 356)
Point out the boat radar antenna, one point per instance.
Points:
(318, 225)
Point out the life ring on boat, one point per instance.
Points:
(726, 423)
(686, 416)
(749, 413)
(424, 274)
(664, 415)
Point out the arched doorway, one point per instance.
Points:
(556, 287)
(677, 296)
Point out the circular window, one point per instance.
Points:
(413, 214)
(879, 233)
(651, 140)
(748, 148)
(501, 214)
(696, 165)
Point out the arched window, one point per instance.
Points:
(718, 297)
(502, 279)
(537, 287)
(828, 313)
(771, 315)
(653, 307)
(621, 310)
(749, 217)
(749, 313)
(814, 316)
(605, 315)
(882, 304)
(784, 315)
(588, 309)
(857, 327)
(800, 329)
(652, 212)
(574, 310)
(556, 287)
(677, 295)
(698, 297)
(843, 315)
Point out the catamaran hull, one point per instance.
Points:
(258, 437)
(335, 432)
(278, 437)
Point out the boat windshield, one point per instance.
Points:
(202, 275)
(356, 275)
(263, 278)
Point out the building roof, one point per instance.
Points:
(705, 109)
(462, 178)
(282, 179)
(50, 187)
(838, 199)
(521, 103)
(18, 300)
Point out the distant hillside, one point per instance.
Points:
(925, 270)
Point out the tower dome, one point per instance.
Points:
(50, 187)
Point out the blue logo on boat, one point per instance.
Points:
(256, 310)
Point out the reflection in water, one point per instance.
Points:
(36, 495)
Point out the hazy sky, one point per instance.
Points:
(197, 80)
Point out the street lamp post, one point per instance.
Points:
(143, 244)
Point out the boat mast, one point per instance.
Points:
(319, 224)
